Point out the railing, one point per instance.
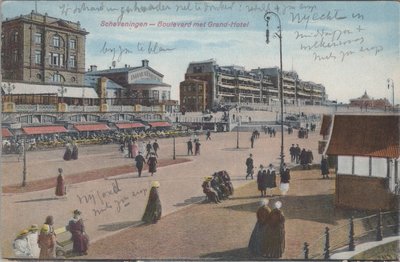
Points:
(360, 230)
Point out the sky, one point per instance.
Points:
(349, 47)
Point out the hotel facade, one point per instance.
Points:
(234, 84)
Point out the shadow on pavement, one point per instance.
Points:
(230, 255)
(190, 201)
(119, 225)
(38, 200)
(235, 149)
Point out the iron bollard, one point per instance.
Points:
(351, 235)
(306, 250)
(379, 235)
(326, 250)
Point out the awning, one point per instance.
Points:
(129, 125)
(5, 132)
(91, 127)
(159, 124)
(39, 130)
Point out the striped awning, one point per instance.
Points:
(129, 125)
(5, 132)
(91, 127)
(159, 124)
(39, 130)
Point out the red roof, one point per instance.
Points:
(159, 124)
(91, 127)
(365, 135)
(129, 125)
(37, 130)
(5, 132)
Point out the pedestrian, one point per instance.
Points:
(139, 159)
(249, 167)
(273, 132)
(324, 167)
(156, 146)
(297, 152)
(252, 141)
(60, 188)
(189, 147)
(152, 163)
(130, 155)
(260, 233)
(148, 149)
(47, 240)
(68, 151)
(74, 154)
(208, 134)
(309, 158)
(285, 178)
(197, 147)
(79, 237)
(153, 208)
(270, 179)
(275, 242)
(33, 237)
(262, 181)
(135, 149)
(303, 158)
(292, 153)
(21, 246)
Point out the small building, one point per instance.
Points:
(367, 151)
(365, 101)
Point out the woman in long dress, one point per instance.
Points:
(74, 154)
(79, 236)
(60, 188)
(68, 152)
(275, 243)
(260, 232)
(135, 149)
(285, 179)
(153, 209)
(152, 162)
(47, 240)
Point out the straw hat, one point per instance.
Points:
(45, 228)
(34, 228)
(23, 232)
(155, 184)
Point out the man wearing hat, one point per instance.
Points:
(262, 181)
(21, 245)
(285, 178)
(139, 159)
(270, 178)
(79, 237)
(33, 237)
(250, 166)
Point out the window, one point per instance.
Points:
(38, 38)
(38, 57)
(72, 44)
(56, 59)
(57, 78)
(2, 39)
(56, 41)
(73, 79)
(15, 56)
(72, 61)
(15, 37)
(39, 76)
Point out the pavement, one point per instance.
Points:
(114, 203)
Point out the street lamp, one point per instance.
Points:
(173, 148)
(388, 81)
(62, 90)
(279, 35)
(9, 88)
(237, 132)
(24, 167)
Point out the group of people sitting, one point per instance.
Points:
(218, 186)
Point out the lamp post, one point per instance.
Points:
(62, 90)
(237, 132)
(267, 17)
(24, 167)
(173, 148)
(9, 88)
(388, 81)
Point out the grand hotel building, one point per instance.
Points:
(207, 85)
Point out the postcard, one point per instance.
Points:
(198, 130)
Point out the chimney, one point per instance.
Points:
(145, 63)
(93, 68)
(126, 65)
